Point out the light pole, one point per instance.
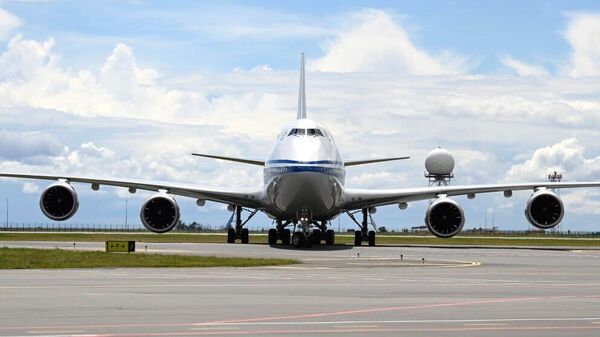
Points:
(126, 228)
(7, 212)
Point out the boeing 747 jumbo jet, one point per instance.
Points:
(304, 189)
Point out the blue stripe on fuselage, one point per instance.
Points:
(316, 162)
(272, 172)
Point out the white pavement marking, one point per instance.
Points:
(426, 321)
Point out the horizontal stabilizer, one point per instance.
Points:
(239, 160)
(371, 161)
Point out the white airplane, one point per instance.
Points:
(304, 189)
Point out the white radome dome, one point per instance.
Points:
(439, 162)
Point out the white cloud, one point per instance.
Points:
(124, 119)
(24, 145)
(567, 156)
(585, 202)
(121, 75)
(378, 43)
(522, 68)
(8, 22)
(256, 23)
(376, 179)
(29, 187)
(583, 34)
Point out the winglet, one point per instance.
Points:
(302, 91)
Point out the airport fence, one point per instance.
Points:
(200, 228)
(62, 227)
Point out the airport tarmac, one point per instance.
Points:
(335, 291)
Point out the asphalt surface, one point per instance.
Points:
(337, 291)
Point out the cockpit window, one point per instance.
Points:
(308, 132)
(314, 132)
(297, 132)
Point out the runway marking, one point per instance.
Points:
(417, 263)
(232, 326)
(265, 320)
(58, 331)
(298, 268)
(425, 321)
(214, 328)
(337, 331)
(385, 309)
(408, 261)
(590, 252)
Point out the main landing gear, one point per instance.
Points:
(363, 234)
(239, 232)
(280, 233)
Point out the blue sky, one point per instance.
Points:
(196, 33)
(130, 88)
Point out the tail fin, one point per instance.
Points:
(302, 92)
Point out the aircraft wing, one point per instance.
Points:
(371, 161)
(247, 197)
(234, 159)
(361, 198)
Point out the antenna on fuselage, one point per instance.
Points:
(302, 91)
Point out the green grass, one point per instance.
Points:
(139, 237)
(491, 241)
(340, 239)
(25, 258)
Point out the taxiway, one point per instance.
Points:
(379, 291)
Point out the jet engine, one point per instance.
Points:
(444, 217)
(59, 201)
(160, 213)
(544, 209)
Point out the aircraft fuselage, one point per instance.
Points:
(304, 173)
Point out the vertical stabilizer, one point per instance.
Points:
(302, 91)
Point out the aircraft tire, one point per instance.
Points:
(315, 237)
(230, 235)
(272, 236)
(371, 238)
(285, 236)
(357, 238)
(245, 235)
(330, 237)
(298, 240)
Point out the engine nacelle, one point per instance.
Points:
(444, 217)
(59, 201)
(544, 209)
(160, 213)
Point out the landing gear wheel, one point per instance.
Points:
(298, 239)
(357, 238)
(330, 237)
(315, 237)
(285, 236)
(230, 235)
(272, 236)
(371, 238)
(245, 235)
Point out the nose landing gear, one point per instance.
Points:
(298, 239)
